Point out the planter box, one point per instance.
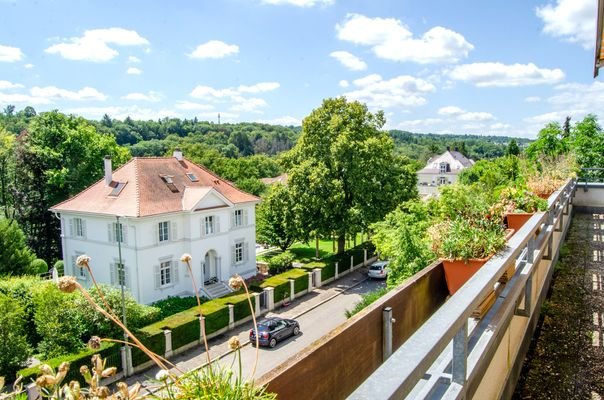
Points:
(517, 220)
(457, 272)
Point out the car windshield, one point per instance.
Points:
(376, 267)
(266, 326)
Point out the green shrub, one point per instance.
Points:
(108, 351)
(21, 290)
(173, 305)
(60, 267)
(366, 300)
(38, 266)
(301, 284)
(14, 349)
(280, 263)
(15, 256)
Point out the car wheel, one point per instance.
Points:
(272, 343)
(296, 330)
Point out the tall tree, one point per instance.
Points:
(512, 149)
(56, 158)
(15, 256)
(343, 170)
(276, 218)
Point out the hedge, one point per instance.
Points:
(155, 342)
(280, 282)
(108, 351)
(301, 284)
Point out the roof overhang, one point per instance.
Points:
(599, 57)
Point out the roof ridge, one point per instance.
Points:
(219, 178)
(137, 195)
(89, 187)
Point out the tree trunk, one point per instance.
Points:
(341, 243)
(317, 247)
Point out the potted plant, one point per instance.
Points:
(465, 245)
(553, 174)
(516, 206)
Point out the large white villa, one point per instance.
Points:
(152, 210)
(441, 170)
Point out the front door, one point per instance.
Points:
(209, 268)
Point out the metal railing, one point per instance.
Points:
(591, 175)
(448, 355)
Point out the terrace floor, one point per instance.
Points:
(566, 358)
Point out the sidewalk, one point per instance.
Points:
(197, 357)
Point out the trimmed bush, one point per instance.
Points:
(173, 305)
(60, 267)
(301, 284)
(156, 342)
(280, 263)
(108, 351)
(38, 266)
(14, 349)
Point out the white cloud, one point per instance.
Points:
(542, 119)
(391, 40)
(285, 121)
(493, 74)
(28, 66)
(122, 113)
(401, 91)
(236, 96)
(94, 44)
(572, 20)
(214, 49)
(134, 59)
(55, 93)
(500, 126)
(10, 54)
(9, 85)
(463, 115)
(249, 105)
(349, 60)
(300, 3)
(188, 105)
(17, 98)
(136, 96)
(532, 99)
(134, 71)
(259, 87)
(224, 116)
(344, 83)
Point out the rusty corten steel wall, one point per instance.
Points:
(333, 366)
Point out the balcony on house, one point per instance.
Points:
(418, 342)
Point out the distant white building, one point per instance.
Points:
(154, 210)
(441, 170)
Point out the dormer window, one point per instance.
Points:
(444, 167)
(169, 183)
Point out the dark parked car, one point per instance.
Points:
(273, 330)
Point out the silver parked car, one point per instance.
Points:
(379, 270)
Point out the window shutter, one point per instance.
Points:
(73, 266)
(233, 219)
(175, 274)
(126, 277)
(246, 248)
(114, 273)
(202, 227)
(174, 231)
(71, 231)
(244, 217)
(124, 235)
(216, 224)
(233, 255)
(110, 233)
(157, 276)
(157, 232)
(83, 228)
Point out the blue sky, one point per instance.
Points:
(486, 67)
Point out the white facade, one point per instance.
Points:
(441, 170)
(220, 237)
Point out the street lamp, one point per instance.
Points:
(121, 276)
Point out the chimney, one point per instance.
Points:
(177, 154)
(108, 176)
(448, 148)
(456, 148)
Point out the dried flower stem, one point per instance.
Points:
(119, 323)
(203, 331)
(138, 347)
(255, 327)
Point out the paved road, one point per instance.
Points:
(318, 313)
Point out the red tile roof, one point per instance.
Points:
(146, 193)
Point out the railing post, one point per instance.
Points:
(292, 289)
(460, 355)
(257, 303)
(310, 285)
(270, 298)
(202, 327)
(387, 322)
(364, 257)
(318, 277)
(351, 263)
(337, 273)
(231, 316)
(168, 337)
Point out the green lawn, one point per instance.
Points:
(305, 253)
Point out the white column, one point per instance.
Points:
(270, 298)
(231, 316)
(351, 263)
(310, 287)
(317, 272)
(202, 327)
(337, 272)
(168, 337)
(291, 290)
(256, 303)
